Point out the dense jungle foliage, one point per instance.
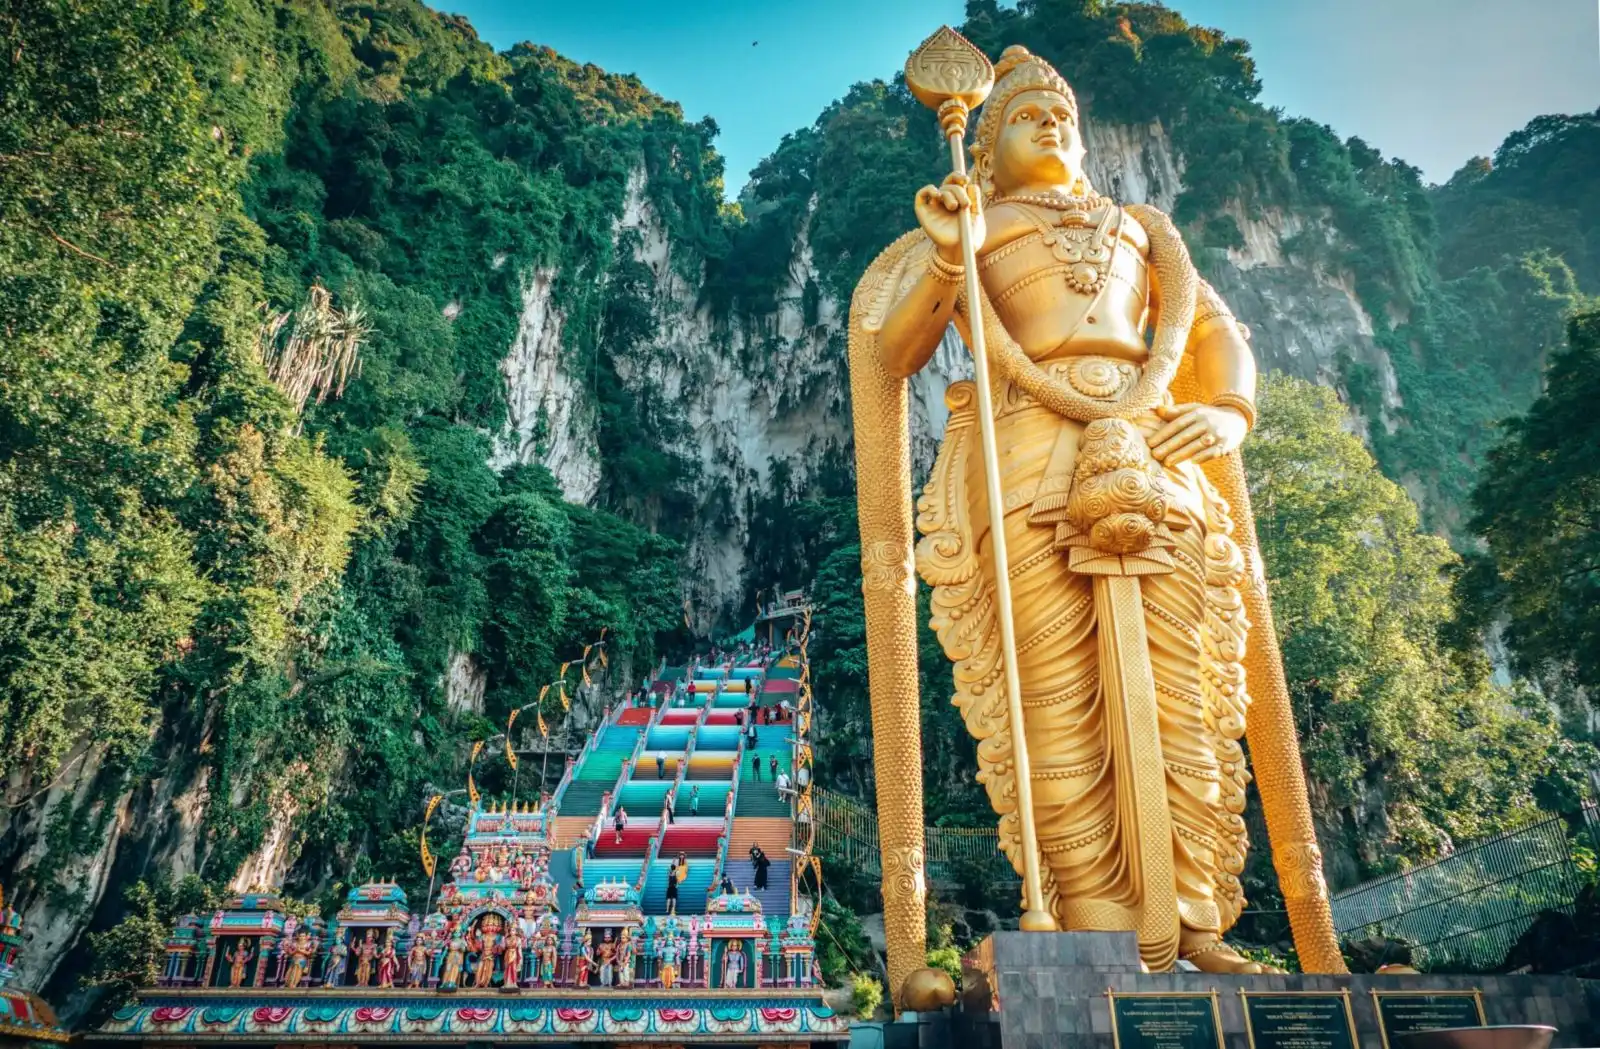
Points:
(199, 582)
(214, 590)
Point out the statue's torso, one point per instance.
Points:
(1030, 281)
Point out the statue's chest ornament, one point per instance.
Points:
(1085, 249)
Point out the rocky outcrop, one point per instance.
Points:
(758, 391)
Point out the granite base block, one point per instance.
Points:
(1028, 990)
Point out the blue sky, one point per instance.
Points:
(1431, 81)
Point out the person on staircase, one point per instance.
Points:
(679, 871)
(672, 807)
(760, 863)
(694, 800)
(773, 766)
(661, 765)
(620, 824)
(755, 766)
(783, 784)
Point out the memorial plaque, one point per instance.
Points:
(1299, 1020)
(1165, 1021)
(1404, 1012)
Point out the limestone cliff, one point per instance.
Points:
(773, 388)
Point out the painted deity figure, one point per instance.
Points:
(388, 962)
(626, 949)
(733, 964)
(547, 960)
(607, 953)
(417, 962)
(461, 866)
(290, 924)
(338, 959)
(484, 940)
(300, 952)
(238, 959)
(454, 957)
(367, 955)
(1118, 374)
(511, 958)
(670, 950)
(584, 961)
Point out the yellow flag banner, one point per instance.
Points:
(511, 754)
(427, 854)
(544, 730)
(566, 704)
(472, 788)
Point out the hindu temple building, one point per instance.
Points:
(688, 921)
(25, 1018)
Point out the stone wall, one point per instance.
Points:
(1051, 991)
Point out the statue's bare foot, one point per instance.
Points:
(1215, 956)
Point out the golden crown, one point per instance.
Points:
(1017, 71)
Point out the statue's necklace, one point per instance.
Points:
(1055, 201)
(1088, 252)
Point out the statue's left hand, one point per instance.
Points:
(1196, 433)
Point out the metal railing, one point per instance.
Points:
(847, 830)
(1467, 910)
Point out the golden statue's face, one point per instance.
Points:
(1039, 143)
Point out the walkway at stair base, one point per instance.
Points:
(23, 1015)
(508, 876)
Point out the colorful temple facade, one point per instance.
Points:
(684, 921)
(25, 1019)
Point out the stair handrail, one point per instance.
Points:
(628, 765)
(650, 852)
(728, 809)
(554, 808)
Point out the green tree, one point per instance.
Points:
(1409, 747)
(1537, 509)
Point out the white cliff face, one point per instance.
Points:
(54, 929)
(775, 388)
(547, 417)
(463, 683)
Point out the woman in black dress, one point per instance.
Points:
(679, 871)
(758, 860)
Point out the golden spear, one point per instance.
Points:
(948, 74)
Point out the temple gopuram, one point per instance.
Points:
(25, 1018)
(686, 922)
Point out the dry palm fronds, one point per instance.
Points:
(315, 350)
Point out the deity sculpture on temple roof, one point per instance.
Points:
(300, 953)
(584, 960)
(547, 960)
(454, 956)
(367, 955)
(388, 962)
(417, 962)
(626, 949)
(511, 957)
(485, 941)
(238, 958)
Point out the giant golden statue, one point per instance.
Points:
(1103, 451)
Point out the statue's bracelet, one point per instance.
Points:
(1239, 403)
(944, 272)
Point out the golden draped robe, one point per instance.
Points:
(1130, 648)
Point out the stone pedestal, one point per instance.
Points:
(1047, 990)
